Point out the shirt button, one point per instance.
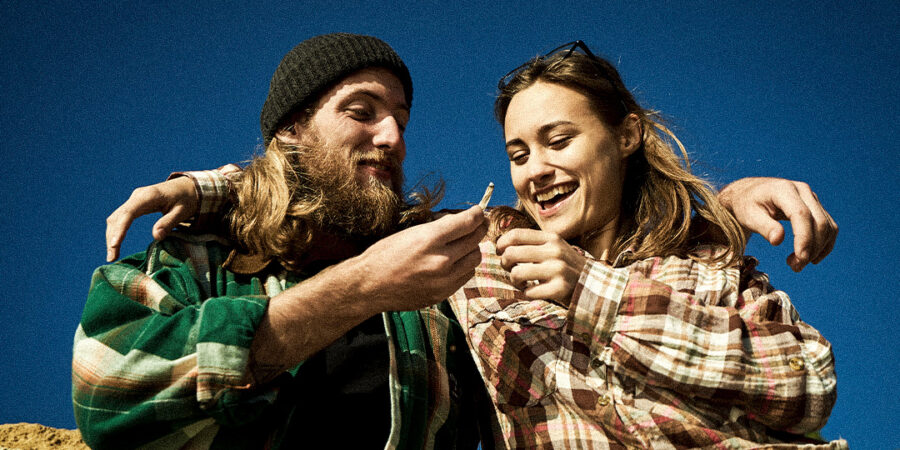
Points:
(586, 337)
(797, 363)
(603, 400)
(596, 363)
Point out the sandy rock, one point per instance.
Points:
(33, 436)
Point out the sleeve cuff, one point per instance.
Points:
(212, 187)
(226, 330)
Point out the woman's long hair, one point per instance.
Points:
(278, 212)
(660, 194)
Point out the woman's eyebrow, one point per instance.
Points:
(544, 129)
(549, 126)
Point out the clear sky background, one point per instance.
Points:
(101, 97)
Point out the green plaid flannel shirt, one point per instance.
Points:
(160, 359)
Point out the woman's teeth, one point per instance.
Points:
(557, 190)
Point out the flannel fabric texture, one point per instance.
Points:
(160, 359)
(661, 353)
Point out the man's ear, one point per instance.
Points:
(291, 131)
(289, 134)
(630, 135)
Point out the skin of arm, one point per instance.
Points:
(758, 203)
(406, 271)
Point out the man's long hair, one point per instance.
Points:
(280, 210)
(660, 194)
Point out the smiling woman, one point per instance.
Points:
(555, 148)
(627, 315)
(574, 114)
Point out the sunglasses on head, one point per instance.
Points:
(566, 50)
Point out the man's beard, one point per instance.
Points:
(357, 209)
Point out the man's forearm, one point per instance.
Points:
(308, 317)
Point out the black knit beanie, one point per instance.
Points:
(316, 64)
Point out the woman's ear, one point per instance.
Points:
(631, 134)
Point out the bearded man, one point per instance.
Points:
(273, 335)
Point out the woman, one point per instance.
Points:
(617, 324)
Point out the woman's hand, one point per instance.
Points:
(541, 263)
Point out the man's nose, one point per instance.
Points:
(389, 136)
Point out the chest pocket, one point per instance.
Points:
(516, 339)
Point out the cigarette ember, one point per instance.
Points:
(487, 195)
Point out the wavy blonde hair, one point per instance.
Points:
(278, 211)
(660, 195)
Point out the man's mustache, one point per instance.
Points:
(378, 157)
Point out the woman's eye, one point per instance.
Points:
(559, 141)
(519, 157)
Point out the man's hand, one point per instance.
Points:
(176, 199)
(759, 203)
(425, 264)
(408, 270)
(539, 256)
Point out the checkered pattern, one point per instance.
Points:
(160, 359)
(213, 193)
(659, 353)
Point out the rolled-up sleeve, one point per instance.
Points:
(162, 350)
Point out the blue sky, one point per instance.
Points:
(101, 97)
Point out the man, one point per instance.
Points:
(209, 342)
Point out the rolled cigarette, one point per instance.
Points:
(487, 195)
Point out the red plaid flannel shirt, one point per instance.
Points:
(660, 353)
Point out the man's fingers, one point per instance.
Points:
(824, 226)
(467, 243)
(468, 262)
(761, 222)
(828, 248)
(168, 221)
(116, 226)
(143, 200)
(455, 226)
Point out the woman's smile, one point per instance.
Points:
(553, 199)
